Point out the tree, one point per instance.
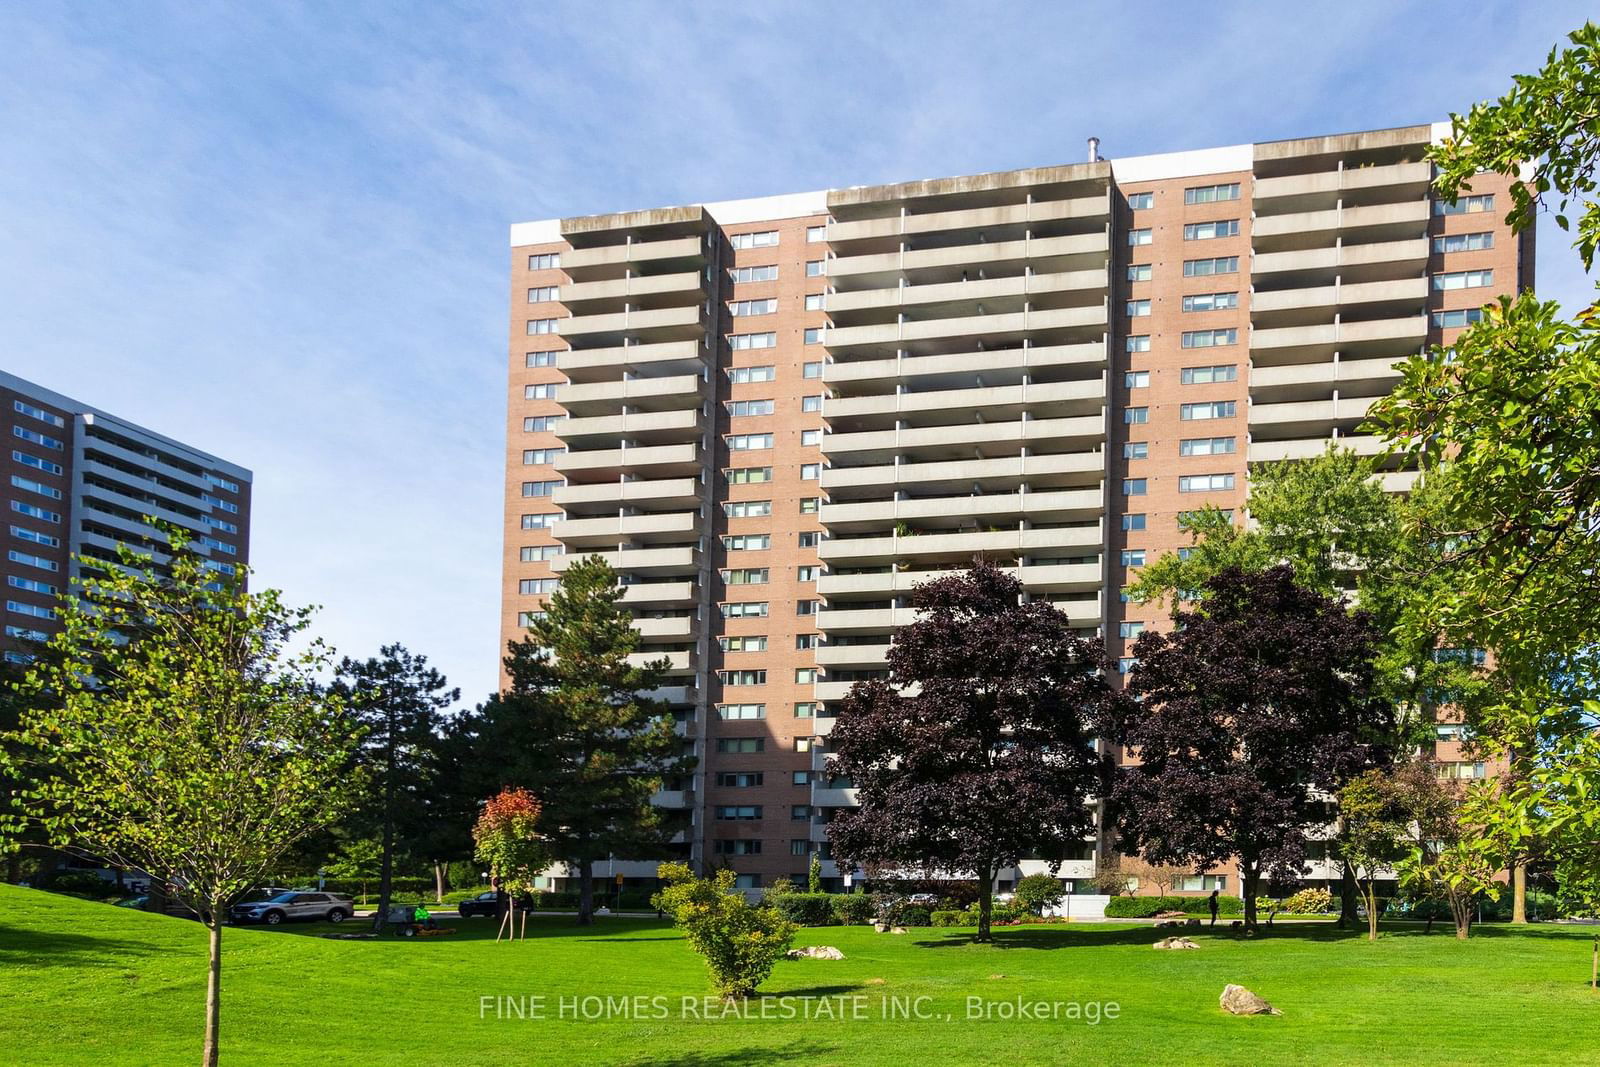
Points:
(189, 737)
(398, 698)
(1260, 699)
(990, 759)
(1374, 833)
(1161, 875)
(1451, 857)
(1036, 892)
(574, 727)
(740, 942)
(814, 873)
(1112, 881)
(509, 843)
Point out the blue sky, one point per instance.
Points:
(278, 231)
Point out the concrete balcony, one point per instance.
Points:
(648, 394)
(681, 628)
(831, 692)
(881, 480)
(689, 322)
(643, 427)
(859, 656)
(1079, 251)
(658, 494)
(1048, 578)
(1014, 323)
(687, 284)
(577, 262)
(866, 551)
(1330, 297)
(660, 594)
(615, 363)
(1274, 451)
(966, 292)
(1007, 402)
(679, 662)
(1398, 481)
(985, 218)
(1045, 434)
(1398, 334)
(1267, 192)
(835, 798)
(1308, 418)
(859, 620)
(1043, 506)
(646, 561)
(1349, 375)
(645, 459)
(609, 530)
(1408, 218)
(880, 375)
(1407, 255)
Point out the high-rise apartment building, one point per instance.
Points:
(77, 482)
(776, 416)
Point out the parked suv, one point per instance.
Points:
(488, 904)
(298, 904)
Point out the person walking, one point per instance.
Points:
(1212, 903)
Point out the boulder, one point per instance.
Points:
(898, 930)
(1171, 915)
(1238, 1000)
(882, 928)
(1175, 943)
(816, 952)
(1193, 922)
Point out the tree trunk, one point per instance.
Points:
(1252, 883)
(1372, 910)
(1519, 890)
(1347, 895)
(208, 1053)
(14, 867)
(438, 881)
(1461, 912)
(985, 902)
(586, 892)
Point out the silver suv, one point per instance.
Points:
(296, 904)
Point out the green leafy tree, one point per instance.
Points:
(574, 726)
(1374, 833)
(740, 942)
(814, 873)
(189, 736)
(1452, 858)
(1036, 892)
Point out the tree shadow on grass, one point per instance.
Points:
(39, 948)
(1088, 936)
(815, 991)
(809, 1051)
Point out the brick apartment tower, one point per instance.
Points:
(776, 416)
(77, 482)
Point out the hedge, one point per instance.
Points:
(852, 909)
(950, 918)
(806, 909)
(1146, 907)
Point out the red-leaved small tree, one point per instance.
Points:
(508, 841)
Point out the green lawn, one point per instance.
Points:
(81, 982)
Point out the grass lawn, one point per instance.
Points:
(82, 982)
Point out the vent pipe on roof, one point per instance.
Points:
(1094, 150)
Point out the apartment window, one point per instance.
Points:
(1125, 664)
(812, 335)
(811, 403)
(25, 634)
(1222, 372)
(30, 560)
(539, 359)
(31, 486)
(1464, 242)
(805, 709)
(805, 675)
(1133, 486)
(748, 475)
(746, 509)
(740, 408)
(541, 423)
(544, 261)
(1466, 771)
(799, 812)
(1126, 630)
(748, 442)
(42, 440)
(1465, 206)
(766, 273)
(1136, 450)
(536, 553)
(537, 586)
(1212, 409)
(1135, 416)
(1139, 272)
(28, 460)
(816, 268)
(1133, 522)
(805, 642)
(816, 234)
(219, 524)
(741, 711)
(1138, 342)
(1138, 308)
(542, 521)
(802, 744)
(544, 488)
(22, 533)
(222, 483)
(763, 239)
(1206, 231)
(534, 456)
(810, 505)
(738, 779)
(1462, 317)
(1204, 268)
(24, 408)
(1206, 446)
(810, 472)
(742, 342)
(806, 607)
(1450, 731)
(1210, 194)
(739, 812)
(1211, 302)
(742, 308)
(748, 677)
(800, 778)
(744, 576)
(810, 438)
(746, 542)
(809, 538)
(1210, 338)
(29, 610)
(745, 609)
(1463, 279)
(1136, 379)
(1140, 237)
(544, 391)
(737, 848)
(813, 301)
(1141, 201)
(540, 294)
(807, 572)
(1204, 883)
(1185, 518)
(1204, 483)
(811, 370)
(541, 326)
(1133, 557)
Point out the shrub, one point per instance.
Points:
(853, 909)
(1037, 892)
(81, 884)
(914, 915)
(804, 909)
(950, 918)
(1136, 907)
(1310, 902)
(460, 874)
(740, 943)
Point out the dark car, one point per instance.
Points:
(300, 904)
(487, 905)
